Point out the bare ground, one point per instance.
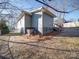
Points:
(21, 47)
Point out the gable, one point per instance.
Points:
(42, 9)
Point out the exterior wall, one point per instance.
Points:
(20, 27)
(41, 21)
(47, 23)
(71, 28)
(71, 24)
(23, 24)
(28, 22)
(37, 22)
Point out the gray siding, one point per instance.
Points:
(41, 21)
(27, 21)
(47, 23)
(37, 22)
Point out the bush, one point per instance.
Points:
(4, 28)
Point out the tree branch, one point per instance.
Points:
(51, 7)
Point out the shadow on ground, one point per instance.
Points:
(3, 57)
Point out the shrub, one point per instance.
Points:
(3, 27)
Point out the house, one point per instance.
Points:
(71, 24)
(41, 20)
(71, 28)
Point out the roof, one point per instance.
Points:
(23, 13)
(43, 9)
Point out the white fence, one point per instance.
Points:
(71, 28)
(71, 24)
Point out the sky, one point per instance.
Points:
(72, 16)
(32, 4)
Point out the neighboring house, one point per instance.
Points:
(71, 24)
(71, 28)
(41, 20)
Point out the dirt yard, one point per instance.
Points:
(54, 47)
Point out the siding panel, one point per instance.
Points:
(37, 22)
(47, 23)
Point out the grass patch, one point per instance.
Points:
(74, 42)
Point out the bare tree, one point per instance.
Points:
(69, 5)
